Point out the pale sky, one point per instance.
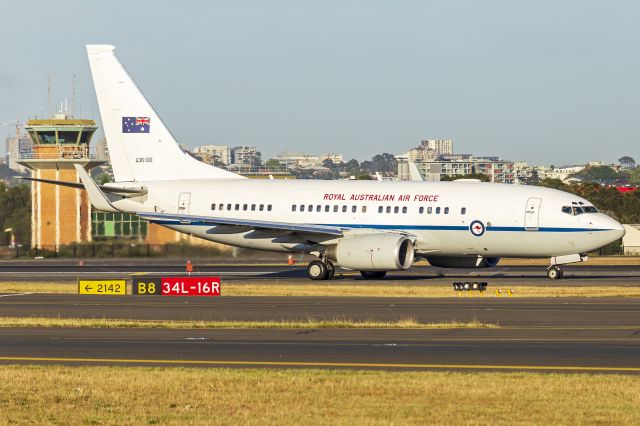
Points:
(547, 82)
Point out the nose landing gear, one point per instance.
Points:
(554, 272)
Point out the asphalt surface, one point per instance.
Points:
(572, 334)
(270, 272)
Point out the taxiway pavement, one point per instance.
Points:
(562, 334)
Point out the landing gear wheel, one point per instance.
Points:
(554, 272)
(317, 270)
(373, 275)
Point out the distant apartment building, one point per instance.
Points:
(430, 149)
(498, 170)
(15, 148)
(245, 155)
(214, 154)
(102, 150)
(421, 154)
(563, 173)
(440, 146)
(302, 160)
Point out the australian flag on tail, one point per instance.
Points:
(135, 125)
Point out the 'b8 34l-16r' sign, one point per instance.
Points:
(176, 286)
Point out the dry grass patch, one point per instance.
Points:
(407, 323)
(363, 290)
(422, 291)
(144, 395)
(38, 287)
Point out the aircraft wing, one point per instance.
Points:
(186, 219)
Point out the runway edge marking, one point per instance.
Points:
(323, 364)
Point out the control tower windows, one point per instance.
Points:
(67, 137)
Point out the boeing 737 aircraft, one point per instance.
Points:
(368, 226)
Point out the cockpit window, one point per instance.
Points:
(576, 210)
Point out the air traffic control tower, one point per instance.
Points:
(60, 215)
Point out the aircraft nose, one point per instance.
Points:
(613, 227)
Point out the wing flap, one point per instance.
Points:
(168, 218)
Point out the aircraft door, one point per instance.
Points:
(532, 214)
(183, 202)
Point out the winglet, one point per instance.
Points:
(97, 197)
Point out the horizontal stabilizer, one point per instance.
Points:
(96, 196)
(107, 189)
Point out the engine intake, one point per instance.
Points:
(463, 261)
(376, 252)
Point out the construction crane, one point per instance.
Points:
(18, 125)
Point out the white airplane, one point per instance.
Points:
(368, 226)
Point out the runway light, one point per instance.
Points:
(470, 286)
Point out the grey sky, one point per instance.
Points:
(550, 82)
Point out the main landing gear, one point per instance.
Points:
(319, 270)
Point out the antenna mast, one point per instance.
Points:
(73, 95)
(49, 105)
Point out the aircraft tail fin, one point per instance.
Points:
(141, 147)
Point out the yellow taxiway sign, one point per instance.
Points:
(110, 287)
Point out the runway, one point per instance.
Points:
(240, 271)
(574, 335)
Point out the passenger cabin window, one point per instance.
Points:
(354, 209)
(396, 209)
(364, 209)
(237, 206)
(335, 208)
(302, 207)
(213, 206)
(269, 207)
(437, 210)
(310, 208)
(463, 210)
(228, 206)
(446, 210)
(318, 208)
(429, 210)
(221, 206)
(404, 209)
(244, 207)
(293, 208)
(421, 210)
(253, 207)
(388, 209)
(326, 208)
(380, 209)
(262, 207)
(344, 209)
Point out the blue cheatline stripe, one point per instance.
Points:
(413, 227)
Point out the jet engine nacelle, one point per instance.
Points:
(376, 252)
(463, 261)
